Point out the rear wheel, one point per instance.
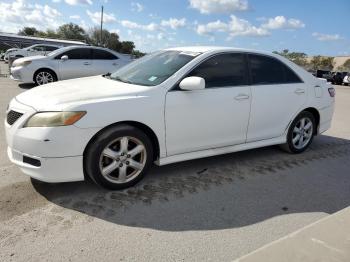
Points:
(119, 157)
(300, 133)
(44, 76)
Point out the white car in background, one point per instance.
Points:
(8, 53)
(67, 63)
(38, 49)
(169, 106)
(346, 80)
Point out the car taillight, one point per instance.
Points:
(331, 91)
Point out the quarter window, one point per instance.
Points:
(223, 70)
(103, 55)
(267, 70)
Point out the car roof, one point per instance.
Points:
(207, 49)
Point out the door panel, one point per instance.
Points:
(78, 64)
(277, 95)
(273, 107)
(104, 62)
(203, 119)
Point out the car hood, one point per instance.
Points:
(29, 58)
(77, 91)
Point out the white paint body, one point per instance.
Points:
(66, 69)
(188, 124)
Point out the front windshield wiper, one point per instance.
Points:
(108, 75)
(121, 80)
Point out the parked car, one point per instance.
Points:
(67, 63)
(346, 80)
(325, 74)
(9, 52)
(169, 106)
(38, 49)
(338, 77)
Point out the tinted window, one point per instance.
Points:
(103, 55)
(291, 77)
(77, 53)
(268, 70)
(38, 48)
(50, 48)
(223, 70)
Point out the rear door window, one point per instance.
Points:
(99, 54)
(268, 70)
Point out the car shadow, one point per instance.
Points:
(227, 191)
(26, 86)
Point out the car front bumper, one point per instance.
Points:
(51, 170)
(21, 74)
(50, 154)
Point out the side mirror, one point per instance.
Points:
(192, 83)
(64, 57)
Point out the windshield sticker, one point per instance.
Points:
(152, 78)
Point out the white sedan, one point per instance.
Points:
(67, 63)
(173, 105)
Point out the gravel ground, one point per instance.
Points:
(212, 209)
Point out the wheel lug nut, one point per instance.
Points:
(121, 165)
(122, 154)
(127, 162)
(128, 156)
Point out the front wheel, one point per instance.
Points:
(300, 133)
(44, 76)
(119, 157)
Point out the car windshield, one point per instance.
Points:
(153, 69)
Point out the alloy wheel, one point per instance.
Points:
(123, 160)
(302, 133)
(44, 78)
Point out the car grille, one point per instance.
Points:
(13, 116)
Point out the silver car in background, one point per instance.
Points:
(67, 63)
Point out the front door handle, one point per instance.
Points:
(299, 91)
(242, 97)
(86, 63)
(115, 64)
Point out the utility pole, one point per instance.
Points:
(101, 25)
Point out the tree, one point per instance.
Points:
(137, 54)
(345, 67)
(71, 31)
(28, 31)
(296, 57)
(321, 62)
(127, 47)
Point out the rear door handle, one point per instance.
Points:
(87, 63)
(115, 64)
(299, 91)
(241, 97)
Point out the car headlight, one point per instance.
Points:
(23, 63)
(51, 119)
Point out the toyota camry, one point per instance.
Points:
(169, 106)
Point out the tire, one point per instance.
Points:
(44, 76)
(306, 135)
(119, 157)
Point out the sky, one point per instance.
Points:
(316, 27)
